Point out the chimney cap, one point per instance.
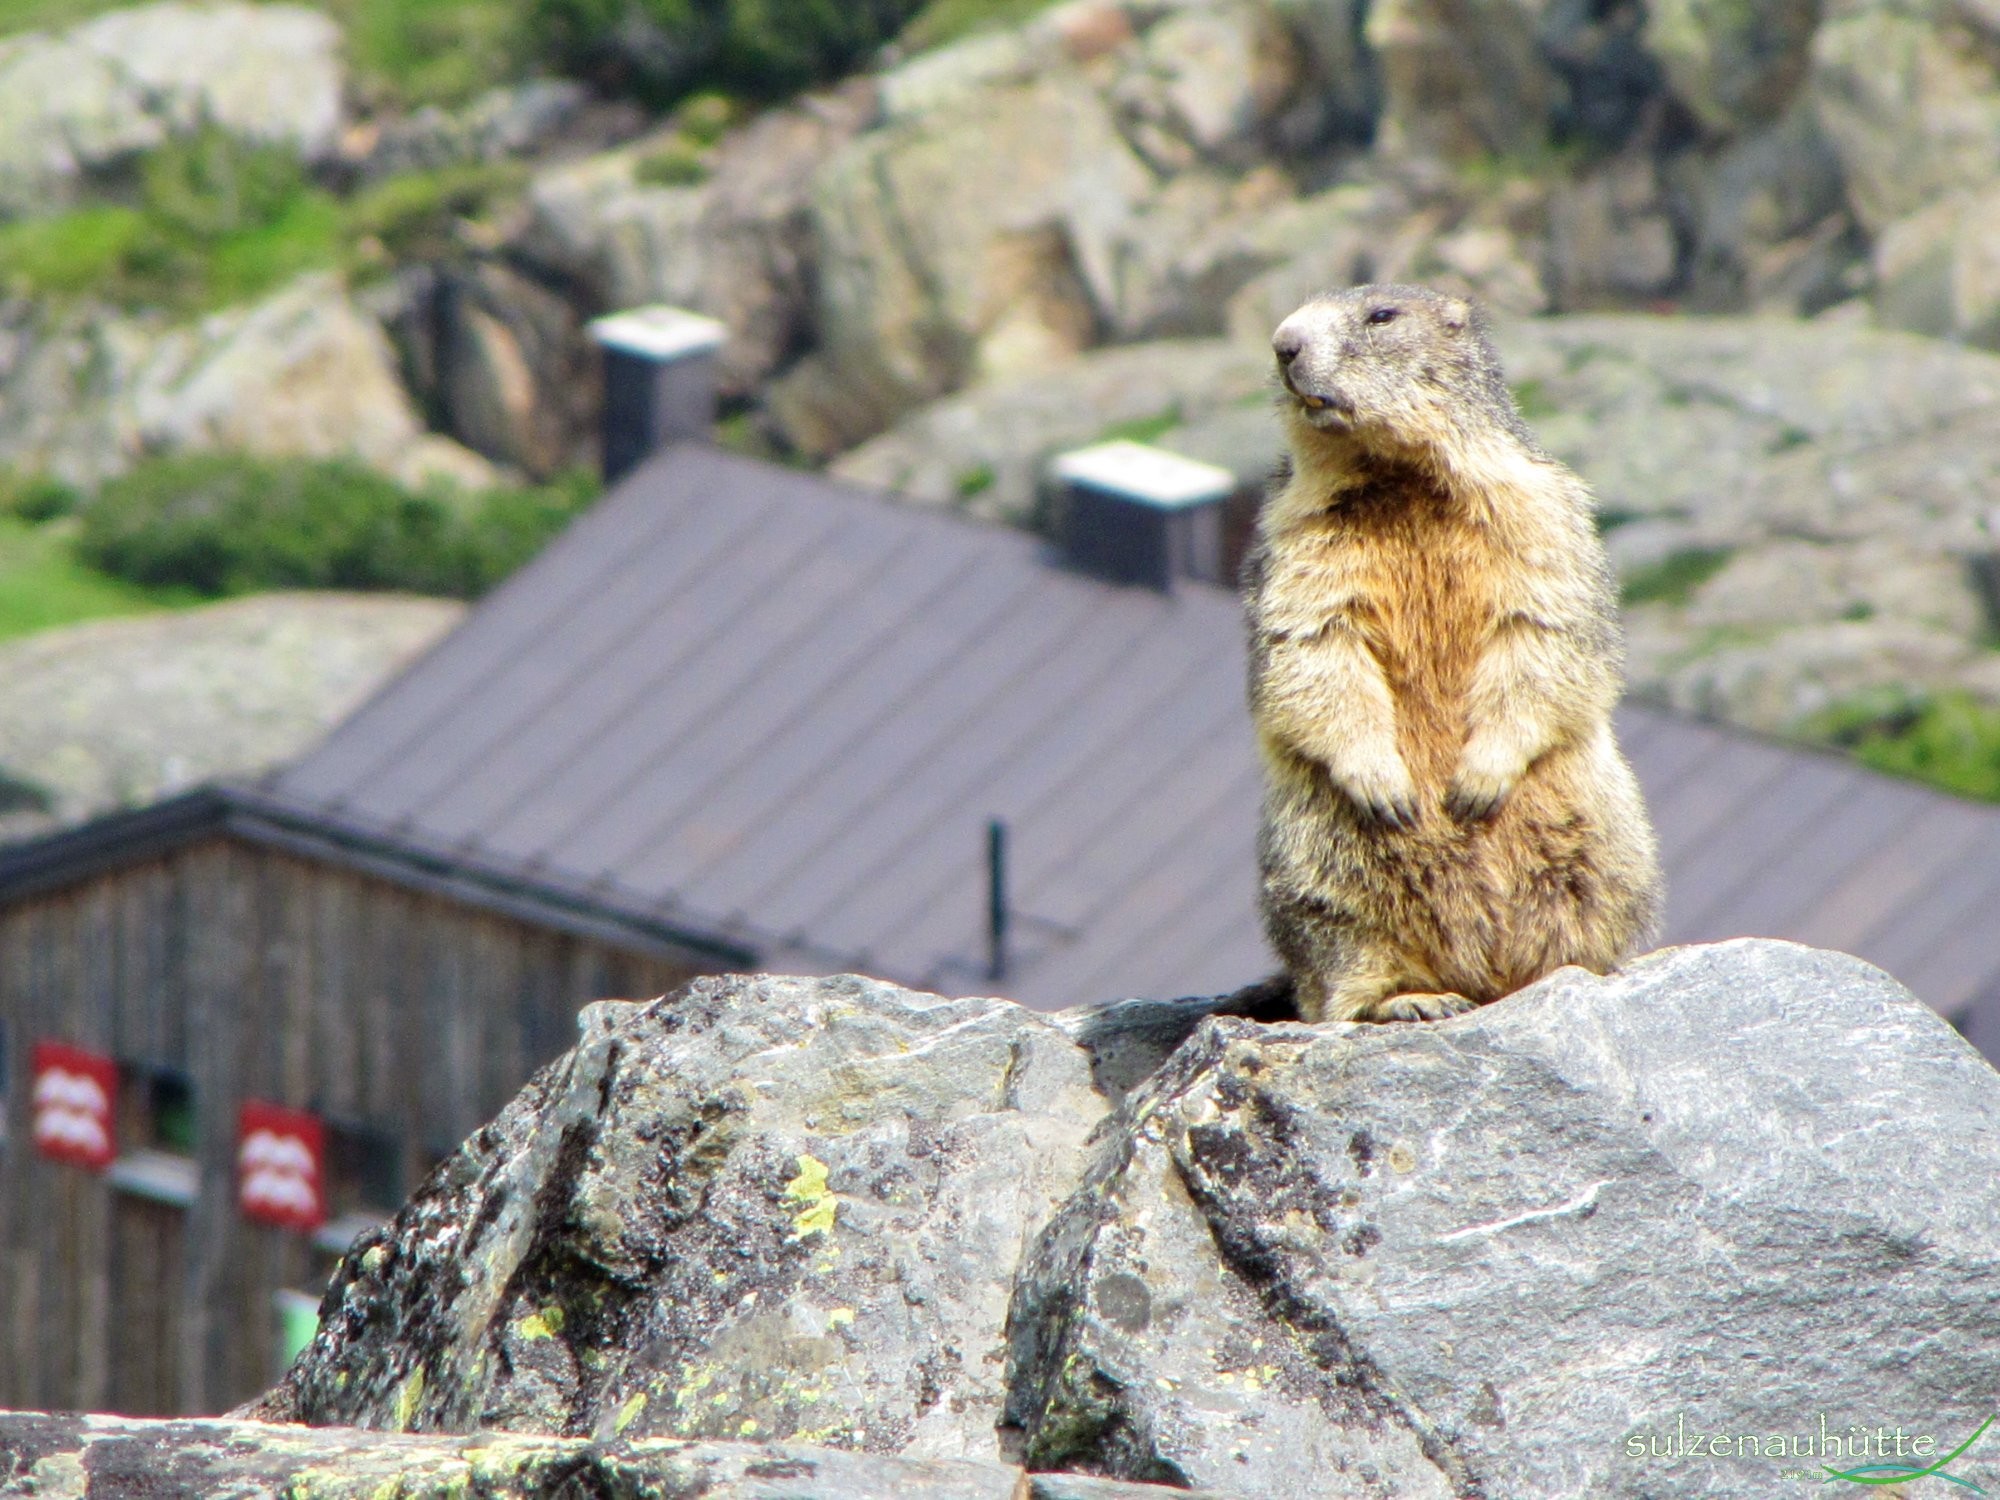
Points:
(1151, 476)
(659, 332)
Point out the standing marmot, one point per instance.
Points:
(1434, 659)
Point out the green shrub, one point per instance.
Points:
(35, 497)
(415, 216)
(662, 50)
(223, 523)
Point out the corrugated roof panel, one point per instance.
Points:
(1932, 837)
(1168, 665)
(1167, 890)
(685, 635)
(749, 789)
(769, 878)
(952, 792)
(540, 601)
(1795, 873)
(1968, 902)
(1709, 880)
(679, 742)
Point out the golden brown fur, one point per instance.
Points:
(1434, 661)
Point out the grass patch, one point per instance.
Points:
(404, 52)
(947, 20)
(976, 480)
(1950, 740)
(212, 220)
(1533, 400)
(1674, 578)
(416, 216)
(1142, 429)
(44, 584)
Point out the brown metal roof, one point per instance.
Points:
(762, 709)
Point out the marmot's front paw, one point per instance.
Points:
(1419, 1007)
(1387, 796)
(1480, 788)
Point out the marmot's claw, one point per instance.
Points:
(1471, 804)
(1420, 1007)
(1394, 810)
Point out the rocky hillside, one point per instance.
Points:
(1741, 257)
(1164, 1242)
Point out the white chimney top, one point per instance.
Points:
(1150, 475)
(660, 333)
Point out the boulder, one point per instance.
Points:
(978, 241)
(119, 713)
(1938, 270)
(737, 246)
(75, 102)
(76, 1458)
(302, 372)
(1734, 66)
(1189, 1242)
(762, 1208)
(1518, 1253)
(1463, 81)
(1910, 98)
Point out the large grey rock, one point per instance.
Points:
(737, 246)
(767, 1207)
(130, 79)
(979, 241)
(1726, 1191)
(1462, 80)
(302, 372)
(119, 713)
(984, 451)
(77, 1457)
(1938, 270)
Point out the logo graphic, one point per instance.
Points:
(278, 1156)
(1904, 1473)
(71, 1103)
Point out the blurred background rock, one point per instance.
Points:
(1744, 263)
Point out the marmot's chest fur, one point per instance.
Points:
(1417, 589)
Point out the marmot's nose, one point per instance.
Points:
(1287, 343)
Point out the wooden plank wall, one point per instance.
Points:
(257, 974)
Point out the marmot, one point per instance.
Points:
(1435, 653)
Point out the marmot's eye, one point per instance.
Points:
(1383, 315)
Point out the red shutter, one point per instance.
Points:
(280, 1166)
(73, 1098)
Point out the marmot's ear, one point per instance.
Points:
(1457, 314)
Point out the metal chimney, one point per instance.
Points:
(1138, 514)
(659, 382)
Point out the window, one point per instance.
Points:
(156, 1135)
(156, 1110)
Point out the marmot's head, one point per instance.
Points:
(1396, 370)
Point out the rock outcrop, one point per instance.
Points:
(302, 372)
(118, 713)
(76, 102)
(1732, 1189)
